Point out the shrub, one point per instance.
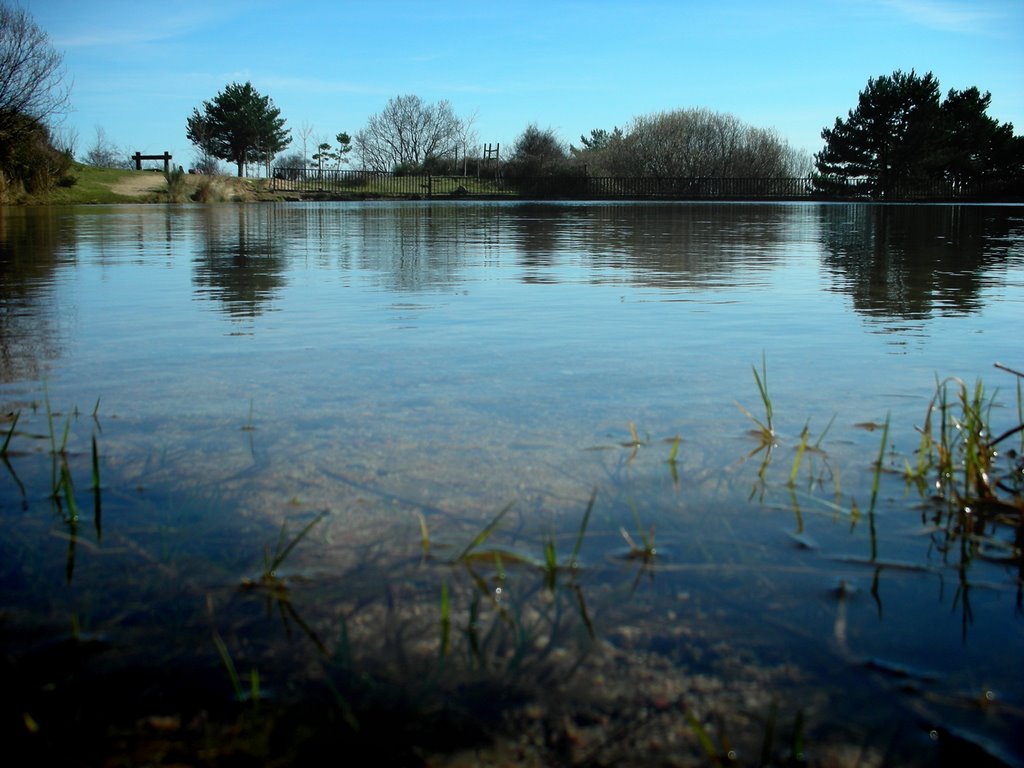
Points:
(30, 163)
(177, 185)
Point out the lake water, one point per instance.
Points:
(417, 371)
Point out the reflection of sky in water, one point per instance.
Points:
(555, 324)
(462, 356)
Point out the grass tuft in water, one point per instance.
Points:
(647, 551)
(960, 457)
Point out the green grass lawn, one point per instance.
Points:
(91, 185)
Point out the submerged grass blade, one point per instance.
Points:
(878, 464)
(574, 560)
(817, 443)
(762, 388)
(229, 666)
(68, 488)
(97, 502)
(446, 622)
(249, 426)
(10, 434)
(64, 438)
(485, 533)
(280, 555)
(799, 455)
(49, 418)
(704, 738)
(424, 534)
(95, 465)
(639, 526)
(550, 564)
(674, 452)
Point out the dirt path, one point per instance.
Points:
(142, 184)
(139, 183)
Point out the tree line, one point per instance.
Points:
(901, 131)
(410, 136)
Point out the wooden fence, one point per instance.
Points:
(307, 182)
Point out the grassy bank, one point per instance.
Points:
(89, 186)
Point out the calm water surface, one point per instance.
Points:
(421, 366)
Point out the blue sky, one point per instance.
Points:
(140, 67)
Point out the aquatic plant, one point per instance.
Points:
(253, 694)
(249, 426)
(963, 455)
(271, 563)
(766, 428)
(468, 553)
(805, 446)
(647, 551)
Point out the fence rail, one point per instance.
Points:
(307, 182)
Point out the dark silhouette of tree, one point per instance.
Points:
(901, 131)
(974, 146)
(33, 90)
(887, 138)
(536, 152)
(602, 152)
(239, 126)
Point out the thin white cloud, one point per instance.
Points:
(318, 85)
(139, 24)
(946, 16)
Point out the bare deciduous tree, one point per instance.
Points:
(408, 133)
(105, 154)
(305, 135)
(33, 86)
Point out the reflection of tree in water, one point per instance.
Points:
(423, 246)
(540, 234)
(29, 311)
(911, 262)
(654, 245)
(240, 262)
(418, 247)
